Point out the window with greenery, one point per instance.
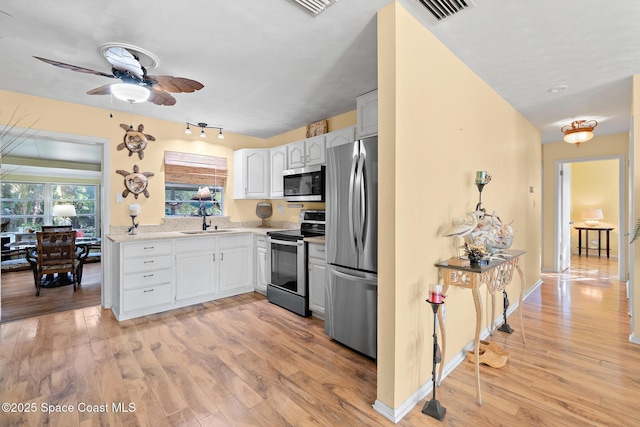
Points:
(179, 200)
(30, 205)
(184, 173)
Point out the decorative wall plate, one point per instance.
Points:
(135, 182)
(135, 141)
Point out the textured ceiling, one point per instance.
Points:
(269, 66)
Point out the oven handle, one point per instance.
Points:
(287, 243)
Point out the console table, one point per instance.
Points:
(496, 275)
(586, 238)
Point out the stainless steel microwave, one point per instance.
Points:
(304, 184)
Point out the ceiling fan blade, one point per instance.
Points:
(176, 84)
(74, 67)
(160, 97)
(123, 60)
(102, 90)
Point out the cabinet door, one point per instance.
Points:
(196, 274)
(367, 106)
(278, 158)
(296, 155)
(261, 268)
(317, 269)
(251, 174)
(340, 137)
(236, 268)
(315, 151)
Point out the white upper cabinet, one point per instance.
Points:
(278, 158)
(341, 136)
(251, 173)
(308, 152)
(367, 106)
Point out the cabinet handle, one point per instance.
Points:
(148, 247)
(148, 275)
(320, 250)
(222, 256)
(148, 290)
(246, 191)
(148, 262)
(214, 257)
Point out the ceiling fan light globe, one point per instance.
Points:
(131, 93)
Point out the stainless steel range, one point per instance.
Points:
(287, 282)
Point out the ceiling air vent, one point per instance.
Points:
(315, 6)
(443, 9)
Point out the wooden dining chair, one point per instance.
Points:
(56, 255)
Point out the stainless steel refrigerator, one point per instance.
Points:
(351, 297)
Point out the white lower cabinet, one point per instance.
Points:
(316, 274)
(261, 265)
(160, 275)
(145, 274)
(196, 267)
(236, 264)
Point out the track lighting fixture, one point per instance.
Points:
(202, 127)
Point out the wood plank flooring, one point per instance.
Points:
(19, 300)
(242, 361)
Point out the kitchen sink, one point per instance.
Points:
(203, 231)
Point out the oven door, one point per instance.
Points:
(287, 265)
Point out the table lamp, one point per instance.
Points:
(64, 212)
(592, 217)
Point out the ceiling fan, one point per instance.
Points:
(126, 66)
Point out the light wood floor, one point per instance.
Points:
(19, 300)
(242, 361)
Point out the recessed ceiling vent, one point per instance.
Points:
(444, 9)
(315, 6)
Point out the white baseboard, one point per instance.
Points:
(396, 414)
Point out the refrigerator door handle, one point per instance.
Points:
(352, 201)
(362, 208)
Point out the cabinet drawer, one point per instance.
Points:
(236, 241)
(261, 241)
(135, 265)
(146, 297)
(199, 244)
(316, 250)
(147, 248)
(146, 279)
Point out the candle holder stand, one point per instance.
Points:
(505, 326)
(433, 407)
(132, 230)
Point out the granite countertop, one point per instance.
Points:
(188, 233)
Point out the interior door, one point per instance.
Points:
(565, 217)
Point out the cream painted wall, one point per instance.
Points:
(634, 291)
(595, 185)
(76, 119)
(597, 148)
(438, 124)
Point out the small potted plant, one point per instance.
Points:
(475, 252)
(636, 232)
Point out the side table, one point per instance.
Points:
(586, 238)
(496, 275)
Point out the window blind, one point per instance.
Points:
(197, 169)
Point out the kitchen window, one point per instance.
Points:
(179, 200)
(184, 173)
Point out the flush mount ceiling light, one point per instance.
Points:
(130, 92)
(578, 131)
(202, 127)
